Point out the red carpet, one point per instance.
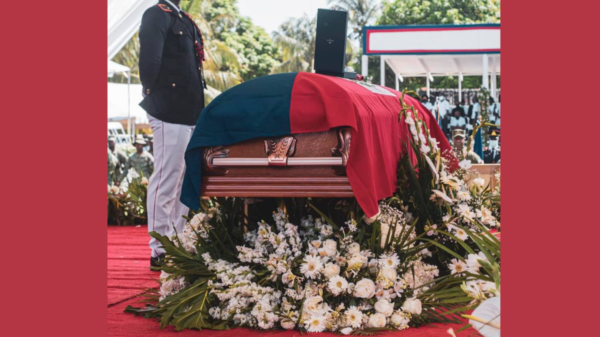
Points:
(129, 277)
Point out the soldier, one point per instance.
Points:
(492, 154)
(141, 161)
(112, 165)
(121, 156)
(150, 141)
(458, 141)
(171, 71)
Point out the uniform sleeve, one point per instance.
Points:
(153, 33)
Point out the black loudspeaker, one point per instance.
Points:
(330, 45)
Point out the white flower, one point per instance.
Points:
(288, 324)
(353, 317)
(384, 307)
(461, 234)
(358, 261)
(465, 164)
(337, 285)
(412, 305)
(477, 182)
(114, 189)
(389, 261)
(473, 264)
(399, 320)
(373, 218)
(315, 324)
(315, 306)
(425, 149)
(464, 195)
(457, 267)
(353, 248)
(331, 270)
(311, 267)
(364, 288)
(377, 321)
(346, 331)
(487, 317)
(330, 247)
(389, 273)
(441, 195)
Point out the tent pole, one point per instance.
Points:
(382, 70)
(460, 78)
(493, 84)
(397, 84)
(129, 104)
(486, 70)
(428, 86)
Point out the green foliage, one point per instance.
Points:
(296, 42)
(417, 12)
(257, 51)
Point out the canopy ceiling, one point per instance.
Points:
(124, 18)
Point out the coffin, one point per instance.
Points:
(298, 165)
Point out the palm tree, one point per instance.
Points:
(361, 12)
(296, 40)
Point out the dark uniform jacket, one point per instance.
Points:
(171, 54)
(491, 157)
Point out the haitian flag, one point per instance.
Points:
(284, 104)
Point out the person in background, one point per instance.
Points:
(121, 156)
(112, 165)
(465, 107)
(492, 154)
(141, 161)
(459, 147)
(458, 119)
(426, 103)
(493, 112)
(150, 141)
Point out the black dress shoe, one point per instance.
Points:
(157, 261)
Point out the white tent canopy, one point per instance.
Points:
(124, 17)
(435, 50)
(118, 99)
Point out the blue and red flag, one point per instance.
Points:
(284, 104)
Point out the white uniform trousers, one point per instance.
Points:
(165, 211)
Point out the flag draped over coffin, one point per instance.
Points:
(284, 104)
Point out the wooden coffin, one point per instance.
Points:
(300, 165)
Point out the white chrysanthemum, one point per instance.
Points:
(311, 267)
(337, 285)
(473, 262)
(353, 317)
(457, 267)
(461, 234)
(315, 324)
(389, 261)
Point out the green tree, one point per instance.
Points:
(296, 42)
(409, 12)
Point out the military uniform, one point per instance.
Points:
(171, 71)
(462, 154)
(142, 163)
(121, 156)
(492, 154)
(112, 165)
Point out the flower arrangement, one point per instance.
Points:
(428, 255)
(127, 202)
